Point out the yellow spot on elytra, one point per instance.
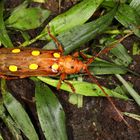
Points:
(15, 50)
(56, 55)
(13, 68)
(35, 53)
(55, 66)
(33, 66)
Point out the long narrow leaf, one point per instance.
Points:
(99, 70)
(79, 35)
(135, 4)
(127, 16)
(121, 54)
(83, 88)
(9, 122)
(131, 91)
(77, 15)
(50, 113)
(132, 115)
(100, 66)
(18, 114)
(11, 125)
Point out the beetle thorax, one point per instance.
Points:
(70, 65)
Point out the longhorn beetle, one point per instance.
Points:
(26, 62)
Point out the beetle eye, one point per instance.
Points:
(72, 67)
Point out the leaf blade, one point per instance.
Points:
(79, 35)
(77, 15)
(18, 114)
(132, 20)
(50, 113)
(83, 88)
(27, 18)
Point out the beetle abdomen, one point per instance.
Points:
(27, 62)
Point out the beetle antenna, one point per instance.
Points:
(108, 97)
(106, 50)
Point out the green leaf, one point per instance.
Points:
(132, 115)
(135, 4)
(1, 138)
(109, 4)
(40, 1)
(131, 91)
(127, 16)
(11, 125)
(77, 15)
(4, 38)
(79, 35)
(83, 88)
(18, 114)
(50, 113)
(136, 49)
(100, 67)
(27, 18)
(121, 89)
(121, 54)
(108, 70)
(76, 99)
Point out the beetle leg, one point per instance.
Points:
(71, 86)
(55, 40)
(62, 78)
(83, 55)
(77, 54)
